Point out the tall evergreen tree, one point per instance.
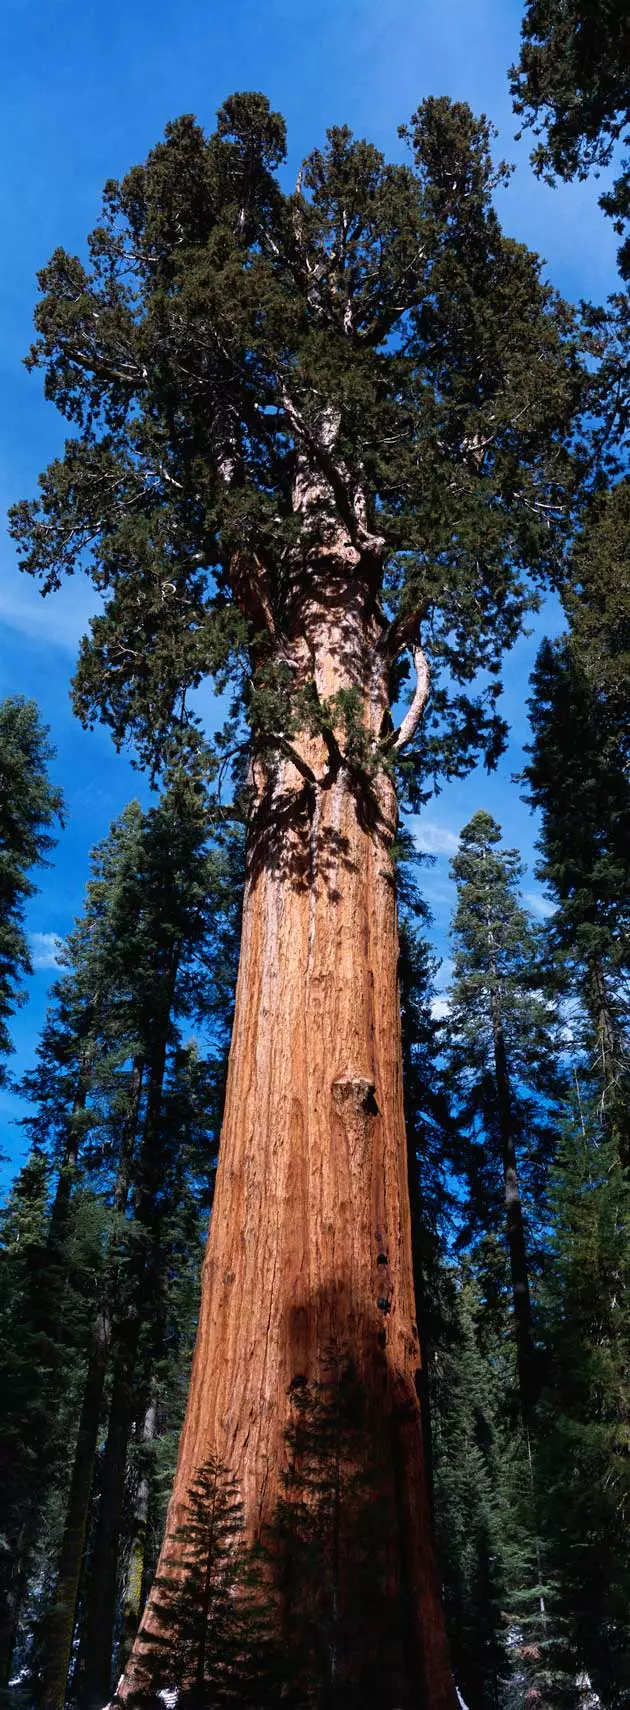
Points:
(579, 756)
(469, 1376)
(111, 1131)
(29, 806)
(581, 1454)
(310, 432)
(170, 898)
(501, 1052)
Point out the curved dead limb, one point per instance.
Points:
(407, 730)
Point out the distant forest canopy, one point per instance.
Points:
(320, 441)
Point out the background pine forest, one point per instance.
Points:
(517, 1087)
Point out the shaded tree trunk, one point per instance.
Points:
(61, 1618)
(143, 1299)
(50, 1309)
(67, 1174)
(310, 1245)
(134, 1576)
(97, 1639)
(517, 1245)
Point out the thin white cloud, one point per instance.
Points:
(440, 1007)
(46, 950)
(60, 620)
(539, 904)
(434, 839)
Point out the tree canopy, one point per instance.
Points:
(571, 82)
(365, 369)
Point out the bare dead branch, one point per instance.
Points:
(407, 730)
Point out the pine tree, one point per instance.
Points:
(100, 1107)
(578, 755)
(174, 897)
(29, 806)
(598, 605)
(473, 1450)
(582, 1442)
(212, 1639)
(311, 432)
(501, 1051)
(80, 1101)
(571, 84)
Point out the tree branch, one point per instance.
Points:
(400, 632)
(301, 765)
(407, 730)
(247, 576)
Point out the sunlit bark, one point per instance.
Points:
(310, 1245)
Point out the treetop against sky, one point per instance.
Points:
(84, 106)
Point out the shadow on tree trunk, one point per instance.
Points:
(318, 1610)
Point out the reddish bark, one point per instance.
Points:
(310, 1243)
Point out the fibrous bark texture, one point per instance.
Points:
(309, 1253)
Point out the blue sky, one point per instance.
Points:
(88, 88)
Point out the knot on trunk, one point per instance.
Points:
(355, 1104)
(355, 1093)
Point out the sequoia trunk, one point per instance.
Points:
(309, 1253)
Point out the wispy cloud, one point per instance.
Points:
(539, 904)
(440, 1008)
(46, 950)
(433, 839)
(61, 619)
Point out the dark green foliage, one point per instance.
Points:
(48, 1300)
(29, 806)
(124, 1130)
(215, 1647)
(502, 1054)
(467, 1503)
(582, 1445)
(365, 372)
(495, 947)
(572, 85)
(578, 777)
(598, 606)
(373, 333)
(572, 81)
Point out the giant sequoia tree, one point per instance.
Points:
(312, 432)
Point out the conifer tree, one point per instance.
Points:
(579, 755)
(501, 1051)
(157, 882)
(80, 1097)
(29, 806)
(469, 1377)
(310, 432)
(571, 85)
(582, 1442)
